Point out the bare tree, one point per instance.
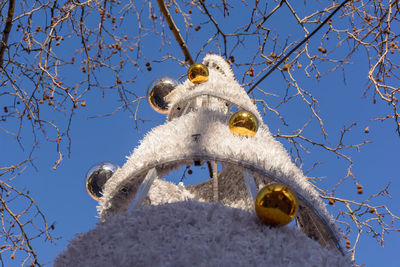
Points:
(36, 69)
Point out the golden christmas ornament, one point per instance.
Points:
(276, 204)
(243, 123)
(198, 73)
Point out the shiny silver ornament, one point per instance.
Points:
(97, 176)
(159, 89)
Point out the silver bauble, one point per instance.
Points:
(157, 90)
(97, 176)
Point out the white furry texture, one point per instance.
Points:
(217, 63)
(194, 234)
(162, 192)
(219, 85)
(174, 141)
(169, 141)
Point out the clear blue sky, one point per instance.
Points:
(62, 195)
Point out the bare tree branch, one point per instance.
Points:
(7, 30)
(172, 26)
(297, 46)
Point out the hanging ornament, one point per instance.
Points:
(159, 89)
(276, 204)
(198, 73)
(97, 176)
(243, 123)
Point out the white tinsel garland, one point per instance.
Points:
(191, 232)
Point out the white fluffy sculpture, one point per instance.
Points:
(141, 225)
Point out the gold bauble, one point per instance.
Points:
(276, 204)
(243, 123)
(198, 73)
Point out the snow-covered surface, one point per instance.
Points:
(194, 234)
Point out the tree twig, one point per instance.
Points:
(216, 26)
(175, 31)
(7, 29)
(297, 46)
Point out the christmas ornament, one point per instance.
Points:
(195, 134)
(157, 90)
(243, 123)
(276, 204)
(97, 176)
(198, 73)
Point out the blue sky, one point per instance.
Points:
(62, 196)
